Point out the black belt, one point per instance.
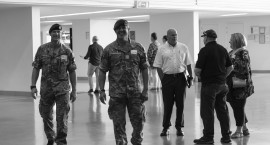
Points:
(174, 75)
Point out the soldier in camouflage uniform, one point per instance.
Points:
(124, 60)
(58, 66)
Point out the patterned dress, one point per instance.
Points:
(242, 70)
(151, 53)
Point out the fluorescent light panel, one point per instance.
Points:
(238, 14)
(51, 21)
(86, 13)
(138, 21)
(127, 17)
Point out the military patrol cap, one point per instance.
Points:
(210, 33)
(55, 27)
(120, 22)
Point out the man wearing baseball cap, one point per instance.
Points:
(124, 59)
(58, 67)
(212, 67)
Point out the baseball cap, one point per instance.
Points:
(55, 27)
(120, 22)
(210, 33)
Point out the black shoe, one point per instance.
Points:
(50, 142)
(96, 91)
(203, 140)
(164, 132)
(90, 91)
(180, 132)
(225, 140)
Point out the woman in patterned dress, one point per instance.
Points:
(237, 97)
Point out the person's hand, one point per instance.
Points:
(102, 97)
(34, 92)
(144, 95)
(189, 81)
(73, 96)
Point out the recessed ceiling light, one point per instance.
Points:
(86, 13)
(238, 14)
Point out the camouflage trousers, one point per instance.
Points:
(136, 111)
(47, 101)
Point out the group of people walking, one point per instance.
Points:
(125, 59)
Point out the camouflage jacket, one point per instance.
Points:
(55, 64)
(124, 66)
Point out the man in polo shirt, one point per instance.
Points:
(172, 61)
(212, 67)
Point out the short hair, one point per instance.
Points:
(95, 39)
(165, 37)
(154, 35)
(238, 40)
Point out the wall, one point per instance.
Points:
(183, 22)
(104, 30)
(142, 33)
(83, 31)
(19, 39)
(81, 41)
(260, 60)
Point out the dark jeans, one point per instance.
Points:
(238, 107)
(173, 90)
(213, 97)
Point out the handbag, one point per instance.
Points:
(238, 83)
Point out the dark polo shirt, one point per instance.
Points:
(213, 59)
(94, 53)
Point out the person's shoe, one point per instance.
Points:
(179, 132)
(246, 132)
(96, 91)
(237, 135)
(203, 140)
(50, 142)
(225, 140)
(90, 91)
(165, 132)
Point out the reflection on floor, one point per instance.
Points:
(89, 124)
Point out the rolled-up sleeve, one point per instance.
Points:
(104, 65)
(71, 66)
(143, 63)
(37, 63)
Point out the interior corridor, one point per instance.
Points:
(89, 124)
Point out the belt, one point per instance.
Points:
(174, 75)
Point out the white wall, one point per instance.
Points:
(103, 29)
(259, 53)
(19, 39)
(183, 22)
(142, 33)
(81, 39)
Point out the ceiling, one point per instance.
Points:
(50, 10)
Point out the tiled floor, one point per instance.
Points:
(89, 124)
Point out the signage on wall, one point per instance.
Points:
(141, 4)
(259, 34)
